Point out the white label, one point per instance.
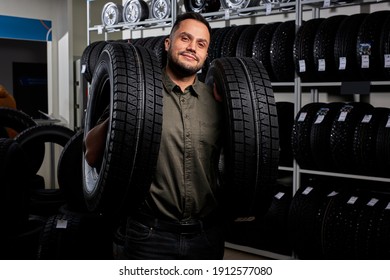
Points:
(268, 8)
(352, 200)
(343, 116)
(372, 202)
(388, 122)
(279, 195)
(302, 116)
(326, 3)
(366, 118)
(62, 224)
(387, 60)
(321, 65)
(302, 66)
(365, 61)
(83, 68)
(333, 194)
(307, 190)
(319, 119)
(100, 29)
(227, 14)
(388, 206)
(342, 63)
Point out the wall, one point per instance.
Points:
(18, 51)
(57, 12)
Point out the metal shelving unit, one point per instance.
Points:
(297, 87)
(316, 6)
(141, 25)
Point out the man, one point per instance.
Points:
(179, 218)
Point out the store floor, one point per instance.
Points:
(232, 254)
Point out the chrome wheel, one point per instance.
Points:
(235, 4)
(111, 14)
(196, 6)
(161, 9)
(135, 11)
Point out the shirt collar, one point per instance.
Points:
(170, 86)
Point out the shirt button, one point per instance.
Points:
(182, 100)
(188, 135)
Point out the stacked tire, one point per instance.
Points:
(342, 137)
(341, 219)
(343, 48)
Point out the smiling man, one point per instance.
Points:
(180, 218)
(187, 48)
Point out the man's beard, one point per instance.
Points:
(180, 69)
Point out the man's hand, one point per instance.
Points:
(95, 143)
(217, 96)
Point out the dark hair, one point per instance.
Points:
(190, 15)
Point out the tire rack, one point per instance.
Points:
(151, 23)
(297, 8)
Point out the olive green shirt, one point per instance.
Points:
(185, 183)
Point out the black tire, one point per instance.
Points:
(320, 135)
(340, 227)
(159, 50)
(75, 237)
(229, 4)
(385, 46)
(306, 212)
(215, 47)
(342, 132)
(285, 122)
(304, 49)
(15, 119)
(230, 41)
(345, 46)
(37, 135)
(364, 141)
(46, 202)
(276, 220)
(262, 47)
(133, 136)
(382, 148)
(216, 42)
(70, 172)
(282, 47)
(142, 41)
(195, 6)
(369, 220)
(381, 242)
(26, 242)
(251, 151)
(300, 137)
(245, 41)
(90, 57)
(14, 176)
(324, 47)
(368, 43)
(20, 121)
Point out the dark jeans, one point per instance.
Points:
(150, 242)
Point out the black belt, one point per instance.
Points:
(183, 227)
